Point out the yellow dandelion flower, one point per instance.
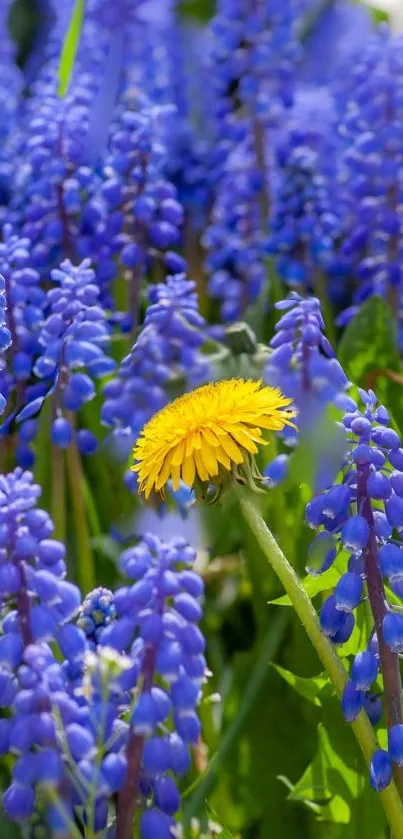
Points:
(209, 435)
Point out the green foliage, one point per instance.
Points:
(308, 688)
(335, 785)
(70, 47)
(201, 10)
(369, 355)
(314, 585)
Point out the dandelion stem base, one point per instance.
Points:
(303, 606)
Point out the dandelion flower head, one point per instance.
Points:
(209, 436)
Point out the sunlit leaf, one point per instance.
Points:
(70, 47)
(308, 688)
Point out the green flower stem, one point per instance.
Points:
(391, 801)
(85, 568)
(58, 500)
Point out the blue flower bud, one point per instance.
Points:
(49, 767)
(188, 726)
(192, 639)
(276, 470)
(184, 694)
(79, 740)
(152, 629)
(22, 733)
(156, 755)
(348, 592)
(364, 670)
(46, 586)
(392, 629)
(26, 769)
(343, 633)
(11, 649)
(378, 485)
(352, 702)
(331, 618)
(396, 480)
(86, 441)
(144, 717)
(71, 640)
(383, 529)
(4, 736)
(188, 607)
(355, 533)
(322, 553)
(101, 811)
(62, 432)
(166, 794)
(178, 756)
(43, 622)
(373, 707)
(18, 801)
(380, 770)
(395, 742)
(169, 660)
(362, 454)
(385, 437)
(191, 582)
(396, 459)
(50, 551)
(155, 825)
(195, 666)
(391, 561)
(113, 771)
(394, 510)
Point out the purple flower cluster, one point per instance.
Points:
(168, 349)
(33, 589)
(108, 721)
(372, 165)
(157, 616)
(304, 366)
(72, 340)
(361, 518)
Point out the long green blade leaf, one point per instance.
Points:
(70, 47)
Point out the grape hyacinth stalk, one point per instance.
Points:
(157, 619)
(304, 365)
(364, 515)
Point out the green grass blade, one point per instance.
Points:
(70, 47)
(269, 648)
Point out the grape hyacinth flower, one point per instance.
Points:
(306, 213)
(36, 596)
(362, 516)
(157, 616)
(234, 239)
(303, 363)
(108, 723)
(23, 307)
(167, 348)
(97, 611)
(72, 341)
(67, 734)
(372, 166)
(134, 216)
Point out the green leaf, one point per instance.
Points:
(201, 10)
(308, 688)
(70, 47)
(328, 779)
(370, 341)
(313, 585)
(337, 779)
(368, 347)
